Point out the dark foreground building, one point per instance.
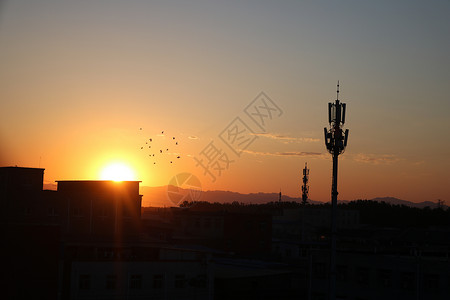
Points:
(85, 241)
(88, 240)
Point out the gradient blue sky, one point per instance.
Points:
(79, 79)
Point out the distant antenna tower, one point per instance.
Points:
(279, 197)
(305, 186)
(335, 141)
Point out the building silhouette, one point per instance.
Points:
(84, 241)
(92, 239)
(100, 209)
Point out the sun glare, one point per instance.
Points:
(117, 172)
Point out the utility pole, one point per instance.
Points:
(335, 141)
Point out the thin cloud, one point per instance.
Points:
(286, 138)
(192, 137)
(376, 159)
(291, 153)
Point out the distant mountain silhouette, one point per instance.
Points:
(157, 196)
(252, 198)
(396, 201)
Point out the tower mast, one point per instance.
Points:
(305, 187)
(335, 141)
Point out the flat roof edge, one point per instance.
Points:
(98, 181)
(17, 167)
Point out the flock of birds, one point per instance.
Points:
(162, 150)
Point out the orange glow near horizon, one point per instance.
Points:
(117, 172)
(85, 88)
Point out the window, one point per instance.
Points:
(262, 226)
(200, 281)
(136, 282)
(103, 212)
(158, 281)
(407, 280)
(431, 282)
(28, 211)
(180, 281)
(341, 273)
(228, 243)
(126, 212)
(111, 282)
(384, 278)
(262, 244)
(249, 225)
(84, 282)
(319, 296)
(218, 223)
(320, 270)
(362, 276)
(51, 212)
(107, 253)
(77, 212)
(288, 252)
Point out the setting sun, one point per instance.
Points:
(117, 172)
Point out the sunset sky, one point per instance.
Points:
(84, 84)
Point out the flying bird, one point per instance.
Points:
(161, 151)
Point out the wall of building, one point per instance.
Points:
(370, 276)
(171, 274)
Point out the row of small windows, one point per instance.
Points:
(384, 277)
(208, 222)
(135, 281)
(76, 212)
(51, 211)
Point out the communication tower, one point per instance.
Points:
(335, 141)
(305, 186)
